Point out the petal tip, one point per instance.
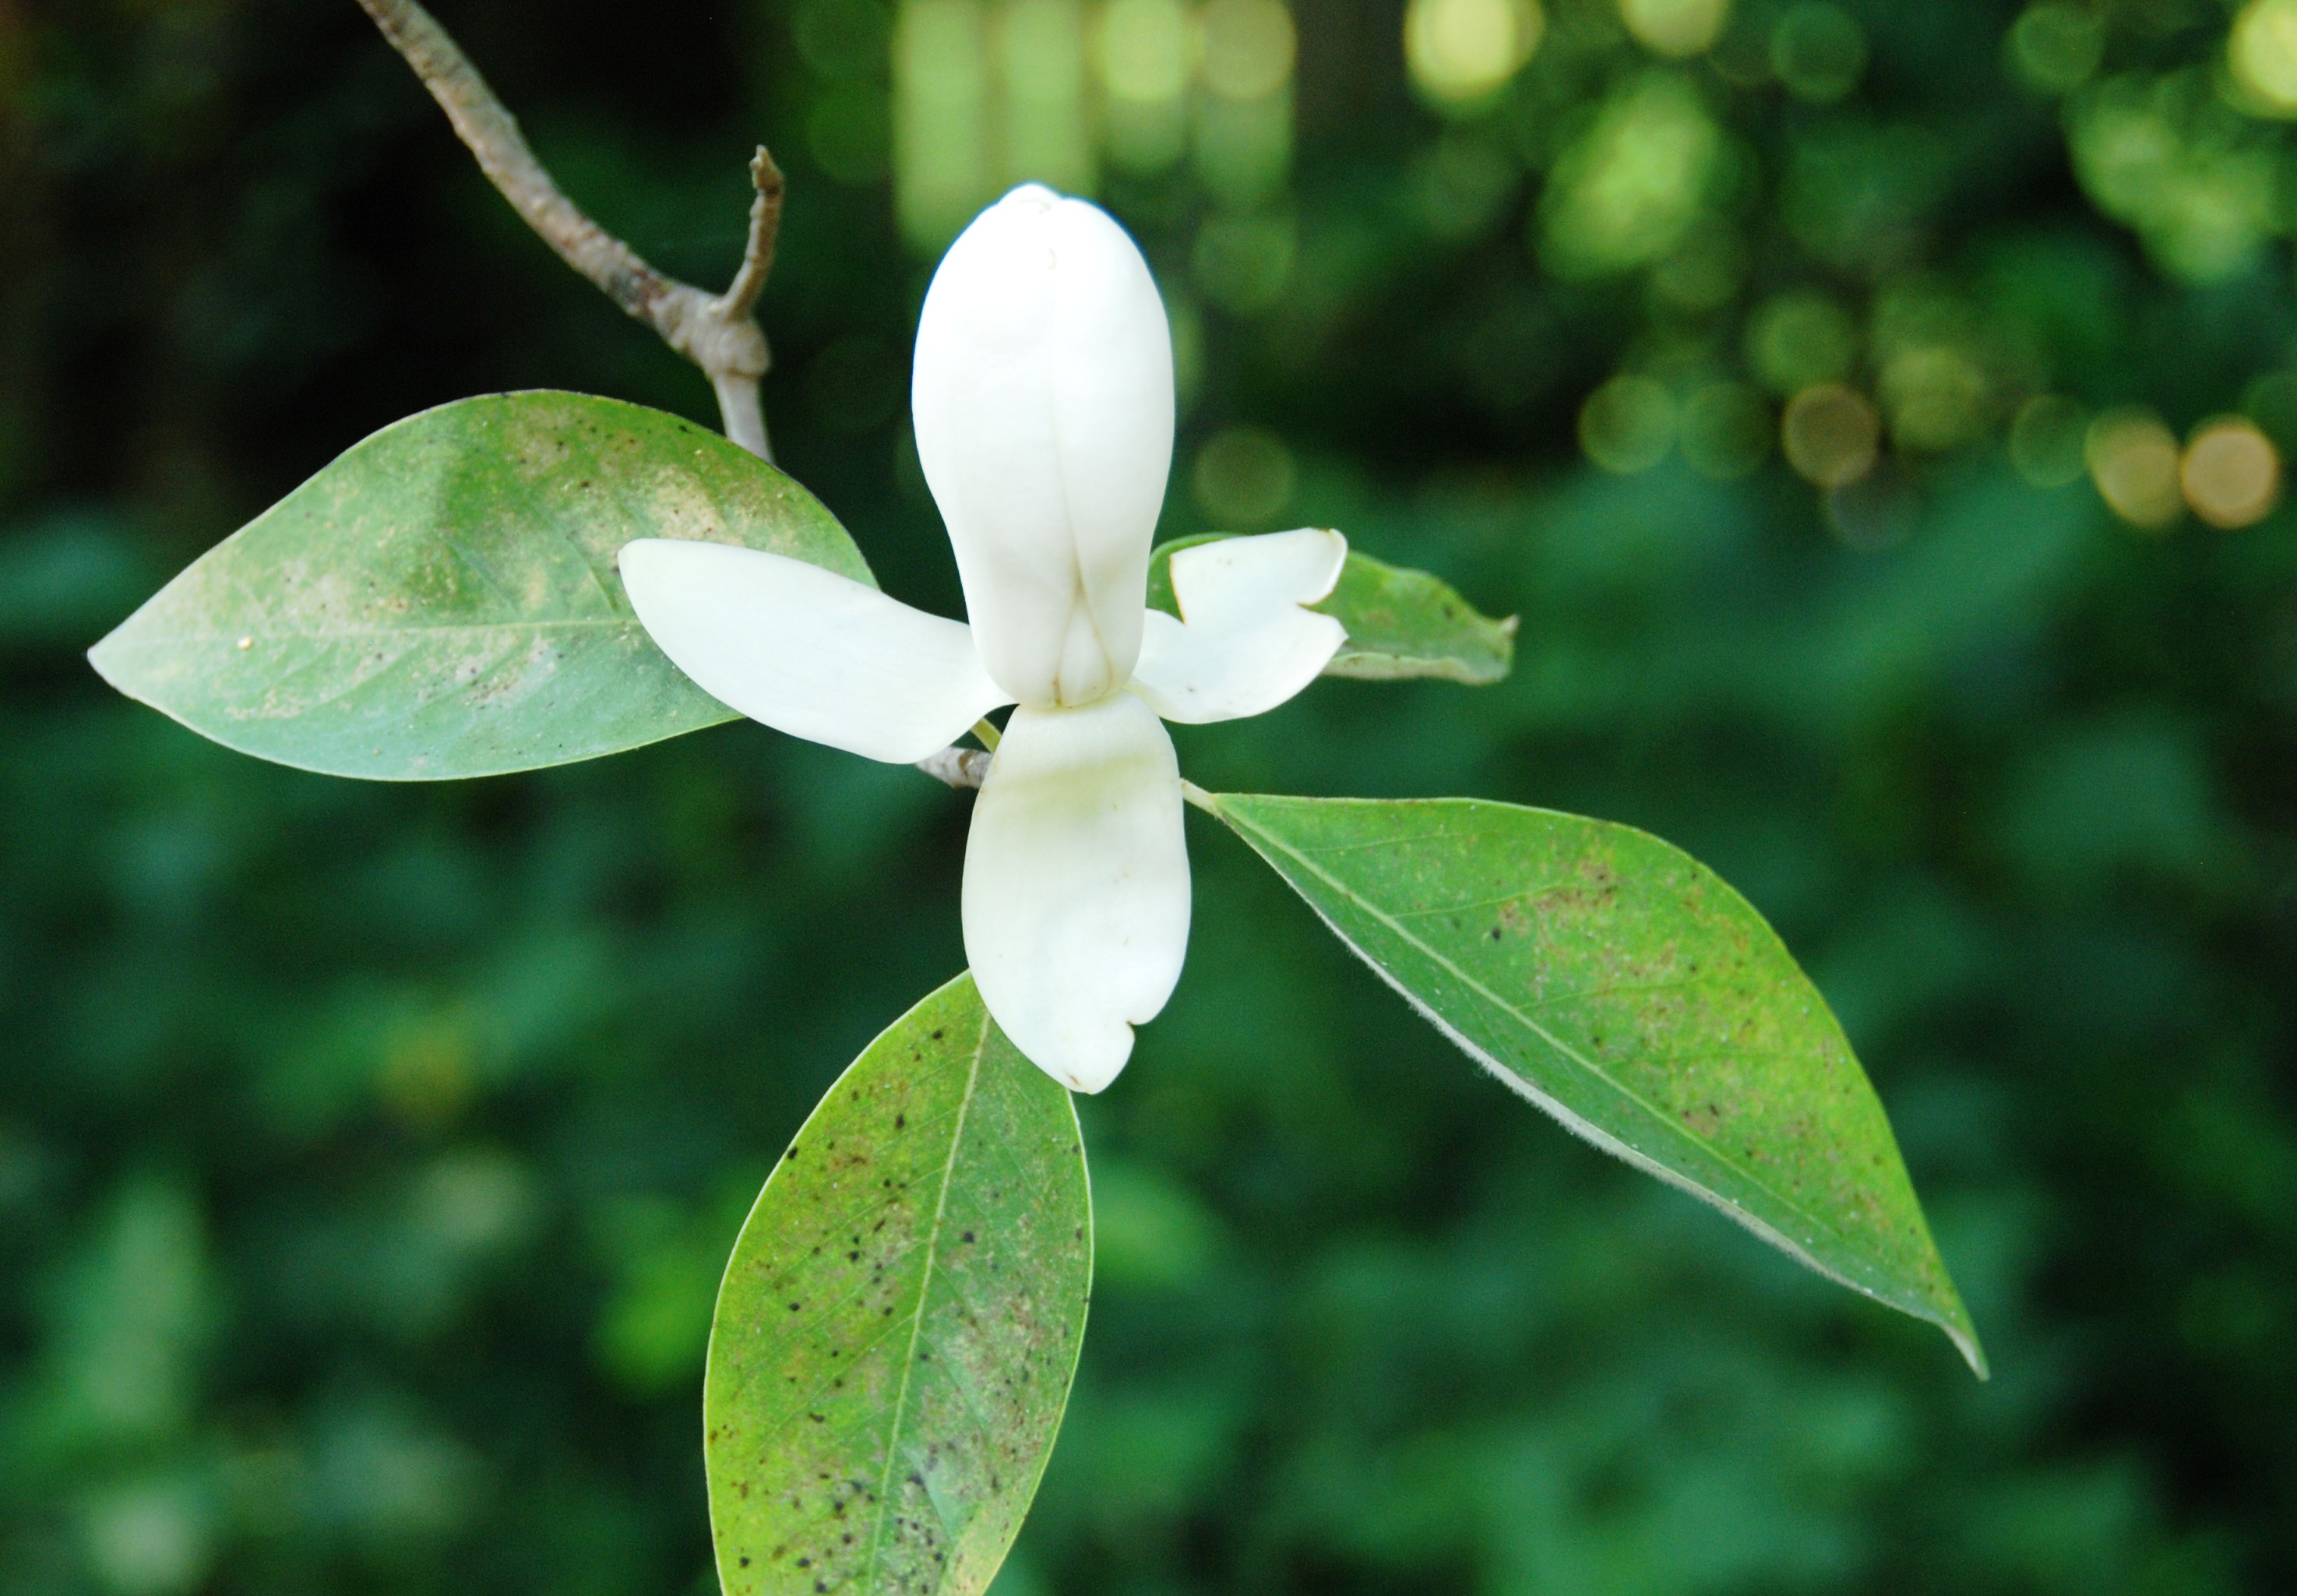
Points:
(1335, 554)
(654, 562)
(1087, 1063)
(1093, 1082)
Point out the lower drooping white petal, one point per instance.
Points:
(809, 652)
(1076, 884)
(1245, 644)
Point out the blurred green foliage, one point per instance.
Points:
(367, 1154)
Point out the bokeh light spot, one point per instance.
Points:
(848, 135)
(2055, 48)
(475, 1200)
(427, 1073)
(2262, 51)
(2159, 156)
(841, 40)
(1934, 393)
(1243, 122)
(1627, 424)
(1630, 189)
(2270, 401)
(1676, 29)
(943, 170)
(1244, 149)
(1829, 434)
(1460, 51)
(1818, 53)
(2231, 473)
(149, 1539)
(1799, 341)
(2045, 441)
(1244, 477)
(984, 97)
(1047, 126)
(2133, 459)
(1147, 53)
(1249, 48)
(1148, 50)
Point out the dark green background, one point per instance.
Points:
(367, 1154)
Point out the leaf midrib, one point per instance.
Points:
(420, 630)
(925, 1290)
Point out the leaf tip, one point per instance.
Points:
(104, 659)
(1964, 1336)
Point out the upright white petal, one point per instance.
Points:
(1042, 393)
(1246, 644)
(1076, 884)
(807, 651)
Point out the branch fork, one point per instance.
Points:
(717, 332)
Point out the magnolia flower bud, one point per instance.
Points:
(1042, 392)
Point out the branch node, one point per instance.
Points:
(719, 333)
(958, 767)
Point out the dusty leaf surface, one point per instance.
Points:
(441, 600)
(1626, 989)
(900, 1321)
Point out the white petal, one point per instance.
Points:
(1247, 646)
(1076, 884)
(807, 651)
(1043, 394)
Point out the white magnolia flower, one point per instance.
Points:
(1043, 399)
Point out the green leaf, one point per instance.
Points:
(1622, 987)
(900, 1322)
(1401, 622)
(442, 601)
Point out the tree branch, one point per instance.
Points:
(962, 768)
(719, 333)
(765, 227)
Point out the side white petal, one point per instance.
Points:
(1076, 884)
(1237, 580)
(1042, 395)
(1246, 644)
(807, 651)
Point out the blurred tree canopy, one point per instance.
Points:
(1875, 412)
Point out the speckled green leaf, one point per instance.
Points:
(442, 601)
(1401, 622)
(900, 1322)
(1622, 987)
